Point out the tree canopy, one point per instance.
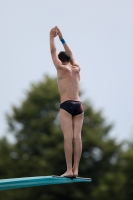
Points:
(39, 151)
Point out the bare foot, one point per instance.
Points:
(67, 174)
(75, 173)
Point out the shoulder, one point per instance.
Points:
(56, 61)
(75, 63)
(76, 66)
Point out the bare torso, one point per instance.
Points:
(68, 82)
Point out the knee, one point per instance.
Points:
(77, 138)
(68, 139)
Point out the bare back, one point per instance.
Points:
(68, 82)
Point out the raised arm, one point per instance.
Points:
(56, 61)
(66, 47)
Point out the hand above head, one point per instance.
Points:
(59, 33)
(54, 32)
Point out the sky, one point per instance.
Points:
(100, 35)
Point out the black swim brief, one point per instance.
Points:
(72, 107)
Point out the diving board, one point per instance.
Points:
(14, 183)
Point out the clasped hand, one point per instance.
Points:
(56, 31)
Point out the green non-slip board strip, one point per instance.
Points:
(13, 183)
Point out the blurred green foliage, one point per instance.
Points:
(39, 151)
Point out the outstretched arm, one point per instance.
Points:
(53, 34)
(66, 47)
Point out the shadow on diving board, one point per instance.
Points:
(14, 183)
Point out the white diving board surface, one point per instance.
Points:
(14, 183)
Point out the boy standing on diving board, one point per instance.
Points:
(71, 110)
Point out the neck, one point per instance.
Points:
(65, 63)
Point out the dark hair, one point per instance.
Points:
(64, 56)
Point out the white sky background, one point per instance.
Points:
(100, 34)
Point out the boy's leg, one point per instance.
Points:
(67, 129)
(77, 127)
